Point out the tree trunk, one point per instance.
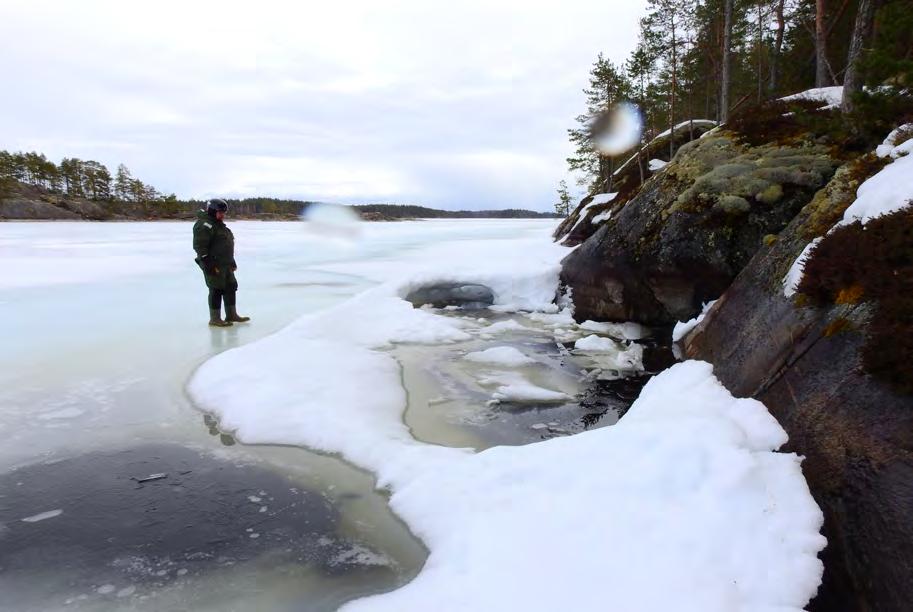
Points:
(726, 78)
(674, 84)
(778, 45)
(760, 52)
(821, 74)
(852, 82)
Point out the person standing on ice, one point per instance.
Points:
(215, 247)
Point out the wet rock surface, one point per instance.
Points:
(106, 534)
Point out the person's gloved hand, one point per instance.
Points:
(210, 266)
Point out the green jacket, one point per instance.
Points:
(213, 241)
(215, 247)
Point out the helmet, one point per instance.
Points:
(217, 205)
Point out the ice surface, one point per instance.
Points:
(700, 513)
(500, 355)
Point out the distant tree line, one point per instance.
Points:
(406, 211)
(76, 178)
(710, 58)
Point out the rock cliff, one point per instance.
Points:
(727, 219)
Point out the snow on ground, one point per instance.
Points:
(830, 96)
(500, 355)
(657, 164)
(890, 189)
(681, 329)
(682, 505)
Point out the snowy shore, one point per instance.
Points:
(684, 504)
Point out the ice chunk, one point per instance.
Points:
(42, 516)
(500, 355)
(627, 331)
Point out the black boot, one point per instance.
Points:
(232, 316)
(215, 319)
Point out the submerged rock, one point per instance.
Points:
(464, 295)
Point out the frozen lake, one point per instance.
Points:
(103, 324)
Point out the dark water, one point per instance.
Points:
(117, 536)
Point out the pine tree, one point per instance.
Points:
(122, 183)
(608, 87)
(563, 205)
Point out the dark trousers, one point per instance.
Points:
(216, 296)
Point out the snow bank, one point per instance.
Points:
(500, 355)
(830, 96)
(890, 190)
(889, 149)
(681, 329)
(680, 506)
(657, 164)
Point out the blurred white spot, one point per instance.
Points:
(619, 130)
(332, 221)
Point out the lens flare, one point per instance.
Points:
(618, 130)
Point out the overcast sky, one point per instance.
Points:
(448, 104)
